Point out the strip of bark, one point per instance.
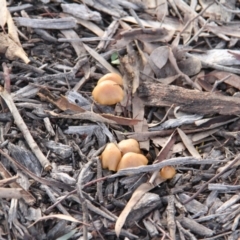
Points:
(27, 196)
(193, 101)
(11, 193)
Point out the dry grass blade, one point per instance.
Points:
(121, 120)
(167, 23)
(8, 181)
(201, 135)
(101, 60)
(59, 216)
(137, 195)
(188, 143)
(91, 26)
(158, 166)
(78, 46)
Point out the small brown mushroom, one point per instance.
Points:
(129, 145)
(131, 159)
(167, 172)
(111, 157)
(108, 93)
(113, 77)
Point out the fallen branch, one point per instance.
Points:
(193, 101)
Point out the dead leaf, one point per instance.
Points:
(159, 56)
(148, 35)
(202, 80)
(187, 33)
(59, 216)
(219, 56)
(214, 122)
(142, 54)
(234, 80)
(12, 30)
(188, 143)
(11, 49)
(61, 102)
(121, 120)
(161, 141)
(137, 195)
(162, 155)
(3, 13)
(217, 12)
(202, 135)
(91, 26)
(81, 11)
(9, 43)
(167, 147)
(190, 66)
(168, 80)
(134, 65)
(138, 112)
(168, 23)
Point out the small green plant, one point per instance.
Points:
(114, 59)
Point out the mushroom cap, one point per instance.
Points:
(129, 145)
(108, 93)
(113, 77)
(131, 159)
(167, 172)
(111, 157)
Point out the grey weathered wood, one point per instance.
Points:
(194, 101)
(60, 23)
(60, 149)
(195, 227)
(148, 202)
(25, 157)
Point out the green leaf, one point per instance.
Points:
(114, 56)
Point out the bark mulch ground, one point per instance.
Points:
(179, 62)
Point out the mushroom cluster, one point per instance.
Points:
(109, 89)
(125, 154)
